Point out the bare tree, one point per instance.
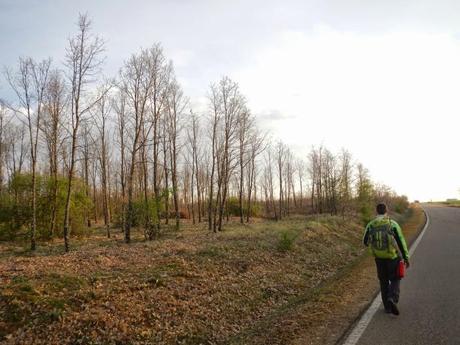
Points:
(330, 177)
(4, 121)
(256, 147)
(231, 107)
(119, 105)
(86, 151)
(29, 84)
(192, 136)
(280, 160)
(101, 120)
(315, 170)
(300, 167)
(137, 84)
(93, 174)
(160, 74)
(245, 124)
(345, 181)
(288, 180)
(16, 148)
(176, 103)
(52, 127)
(83, 61)
(269, 182)
(166, 166)
(215, 100)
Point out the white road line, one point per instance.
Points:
(359, 329)
(361, 326)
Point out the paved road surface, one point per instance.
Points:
(430, 293)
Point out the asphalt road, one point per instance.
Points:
(430, 292)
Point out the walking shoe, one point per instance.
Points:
(393, 307)
(387, 308)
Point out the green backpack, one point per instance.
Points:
(382, 239)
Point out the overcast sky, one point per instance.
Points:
(380, 78)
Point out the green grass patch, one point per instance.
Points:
(211, 252)
(18, 301)
(197, 338)
(57, 282)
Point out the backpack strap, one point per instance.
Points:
(393, 233)
(371, 239)
(390, 230)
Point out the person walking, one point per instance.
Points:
(386, 243)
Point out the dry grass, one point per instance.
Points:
(190, 287)
(325, 312)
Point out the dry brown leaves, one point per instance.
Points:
(194, 288)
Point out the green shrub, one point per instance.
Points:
(286, 241)
(142, 211)
(16, 206)
(366, 213)
(233, 208)
(400, 204)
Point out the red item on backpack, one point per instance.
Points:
(401, 269)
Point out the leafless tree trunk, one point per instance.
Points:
(231, 105)
(160, 74)
(245, 126)
(215, 122)
(86, 148)
(190, 167)
(176, 103)
(145, 181)
(300, 166)
(256, 145)
(101, 121)
(93, 175)
(137, 84)
(270, 182)
(83, 62)
(315, 169)
(119, 104)
(166, 167)
(55, 104)
(280, 159)
(192, 135)
(3, 142)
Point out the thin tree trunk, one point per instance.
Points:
(69, 191)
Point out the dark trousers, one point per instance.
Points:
(389, 282)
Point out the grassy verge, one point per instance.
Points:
(190, 287)
(323, 314)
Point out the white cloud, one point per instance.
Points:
(391, 99)
(182, 57)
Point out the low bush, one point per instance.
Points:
(286, 241)
(233, 208)
(16, 206)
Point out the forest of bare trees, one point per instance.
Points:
(79, 149)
